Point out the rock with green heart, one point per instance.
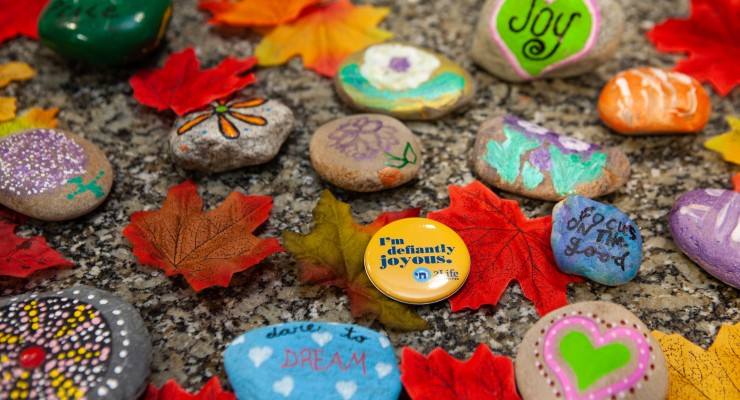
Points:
(104, 32)
(591, 350)
(522, 40)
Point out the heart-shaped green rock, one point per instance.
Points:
(104, 32)
(542, 35)
(588, 363)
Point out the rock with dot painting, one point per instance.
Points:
(365, 152)
(520, 157)
(52, 175)
(654, 101)
(404, 81)
(311, 360)
(592, 350)
(522, 40)
(705, 225)
(78, 343)
(230, 134)
(595, 240)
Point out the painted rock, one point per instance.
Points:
(404, 81)
(52, 175)
(595, 240)
(311, 360)
(592, 350)
(521, 40)
(705, 224)
(79, 343)
(104, 32)
(231, 134)
(651, 101)
(521, 157)
(366, 152)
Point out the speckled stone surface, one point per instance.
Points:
(190, 331)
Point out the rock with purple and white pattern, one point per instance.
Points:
(705, 224)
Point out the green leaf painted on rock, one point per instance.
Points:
(569, 170)
(506, 157)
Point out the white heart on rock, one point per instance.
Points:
(384, 342)
(322, 338)
(346, 389)
(383, 369)
(258, 355)
(283, 386)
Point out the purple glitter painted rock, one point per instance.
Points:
(52, 175)
(706, 226)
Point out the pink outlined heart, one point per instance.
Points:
(593, 8)
(599, 340)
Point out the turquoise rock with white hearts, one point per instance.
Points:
(595, 240)
(311, 360)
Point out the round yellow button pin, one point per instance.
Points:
(417, 261)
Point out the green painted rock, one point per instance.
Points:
(521, 40)
(104, 32)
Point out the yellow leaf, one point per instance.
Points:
(33, 118)
(728, 143)
(15, 71)
(324, 36)
(7, 108)
(698, 374)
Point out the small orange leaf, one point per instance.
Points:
(33, 118)
(255, 12)
(324, 35)
(694, 373)
(15, 71)
(205, 247)
(7, 108)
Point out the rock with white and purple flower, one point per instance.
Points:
(404, 81)
(524, 158)
(366, 152)
(52, 175)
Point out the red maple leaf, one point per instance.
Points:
(207, 248)
(443, 377)
(711, 37)
(504, 246)
(172, 391)
(20, 257)
(183, 87)
(20, 18)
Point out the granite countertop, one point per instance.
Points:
(190, 330)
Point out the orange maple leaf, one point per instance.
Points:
(207, 248)
(255, 12)
(324, 35)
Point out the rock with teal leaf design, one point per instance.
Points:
(403, 81)
(524, 158)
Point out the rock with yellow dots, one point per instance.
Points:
(76, 343)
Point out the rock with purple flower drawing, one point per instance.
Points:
(520, 157)
(366, 152)
(52, 175)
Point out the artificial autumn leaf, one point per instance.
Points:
(694, 373)
(20, 18)
(443, 377)
(255, 12)
(15, 71)
(172, 391)
(333, 255)
(183, 87)
(204, 247)
(736, 182)
(504, 245)
(33, 118)
(324, 35)
(728, 143)
(20, 257)
(7, 108)
(709, 37)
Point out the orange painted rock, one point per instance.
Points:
(651, 100)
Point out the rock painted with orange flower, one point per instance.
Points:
(365, 152)
(230, 134)
(654, 101)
